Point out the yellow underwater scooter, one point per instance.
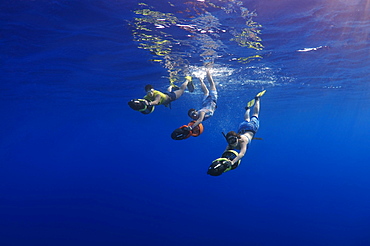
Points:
(223, 164)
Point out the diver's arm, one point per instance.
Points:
(156, 100)
(199, 120)
(243, 150)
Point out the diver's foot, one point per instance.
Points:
(173, 87)
(208, 65)
(260, 94)
(190, 83)
(250, 104)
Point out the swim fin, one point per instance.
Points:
(190, 83)
(260, 94)
(250, 104)
(174, 87)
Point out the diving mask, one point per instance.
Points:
(232, 140)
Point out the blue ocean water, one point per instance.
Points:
(79, 167)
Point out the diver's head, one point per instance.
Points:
(149, 90)
(232, 138)
(193, 114)
(218, 167)
(137, 105)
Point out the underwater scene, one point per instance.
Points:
(200, 122)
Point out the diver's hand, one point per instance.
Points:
(188, 128)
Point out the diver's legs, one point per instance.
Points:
(248, 109)
(246, 115)
(180, 91)
(257, 106)
(203, 86)
(212, 85)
